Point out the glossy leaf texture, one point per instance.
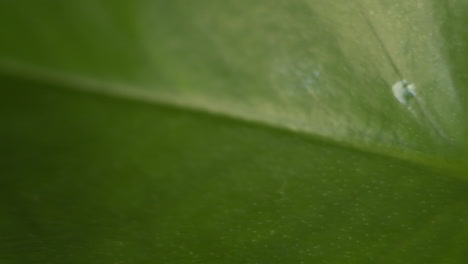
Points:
(233, 131)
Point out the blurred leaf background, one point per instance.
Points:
(155, 131)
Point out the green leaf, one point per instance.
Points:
(233, 131)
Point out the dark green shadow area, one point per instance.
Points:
(90, 179)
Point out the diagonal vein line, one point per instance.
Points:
(131, 92)
(381, 43)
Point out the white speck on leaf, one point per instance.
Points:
(403, 91)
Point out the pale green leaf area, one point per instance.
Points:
(234, 131)
(321, 67)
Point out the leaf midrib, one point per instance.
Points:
(119, 90)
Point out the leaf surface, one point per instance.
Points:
(233, 132)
